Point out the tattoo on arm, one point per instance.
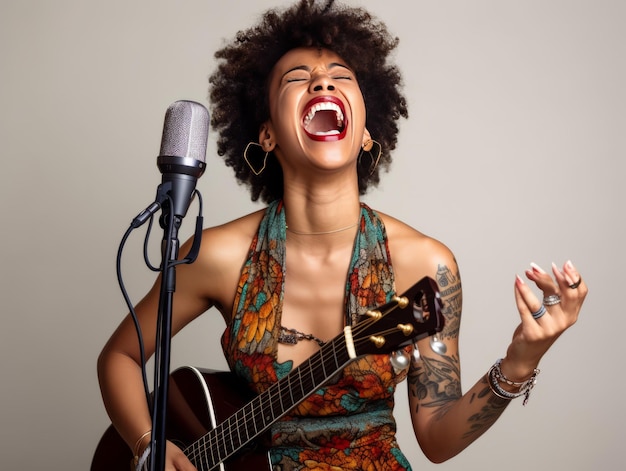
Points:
(451, 294)
(488, 414)
(435, 382)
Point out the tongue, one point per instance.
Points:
(324, 122)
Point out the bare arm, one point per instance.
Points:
(210, 280)
(445, 419)
(119, 369)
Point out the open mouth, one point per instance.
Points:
(324, 119)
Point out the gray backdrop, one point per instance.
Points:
(514, 152)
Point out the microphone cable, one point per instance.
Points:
(148, 216)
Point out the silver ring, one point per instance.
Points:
(552, 300)
(576, 284)
(539, 313)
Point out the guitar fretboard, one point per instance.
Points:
(414, 315)
(257, 415)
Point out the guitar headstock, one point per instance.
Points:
(413, 315)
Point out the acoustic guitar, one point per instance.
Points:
(220, 424)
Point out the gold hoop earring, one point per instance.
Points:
(368, 147)
(245, 157)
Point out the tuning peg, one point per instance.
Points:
(407, 329)
(402, 301)
(399, 360)
(378, 340)
(437, 345)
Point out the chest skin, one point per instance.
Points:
(314, 296)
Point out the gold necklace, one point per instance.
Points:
(341, 229)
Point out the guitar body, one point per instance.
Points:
(198, 400)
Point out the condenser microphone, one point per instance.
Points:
(182, 155)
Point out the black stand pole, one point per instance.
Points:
(170, 247)
(170, 222)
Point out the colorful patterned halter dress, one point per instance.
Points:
(347, 424)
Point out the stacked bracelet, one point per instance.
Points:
(137, 456)
(495, 377)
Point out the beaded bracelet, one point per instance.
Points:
(495, 377)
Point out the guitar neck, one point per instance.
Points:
(414, 315)
(257, 415)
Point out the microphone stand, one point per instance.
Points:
(170, 246)
(170, 249)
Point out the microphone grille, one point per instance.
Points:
(185, 130)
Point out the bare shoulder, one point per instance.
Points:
(223, 250)
(415, 255)
(229, 240)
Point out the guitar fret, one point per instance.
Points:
(196, 454)
(212, 451)
(243, 429)
(260, 413)
(199, 455)
(275, 394)
(238, 441)
(299, 373)
(313, 384)
(221, 443)
(255, 414)
(251, 417)
(265, 414)
(280, 394)
(192, 452)
(228, 435)
(250, 420)
(307, 385)
(334, 358)
(322, 365)
(209, 463)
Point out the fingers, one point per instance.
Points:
(563, 293)
(542, 279)
(570, 281)
(528, 305)
(177, 460)
(545, 317)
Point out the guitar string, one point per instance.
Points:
(218, 434)
(221, 443)
(213, 437)
(216, 437)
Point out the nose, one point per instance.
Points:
(322, 82)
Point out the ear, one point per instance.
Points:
(367, 141)
(266, 136)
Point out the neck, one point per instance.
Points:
(322, 216)
(321, 206)
(328, 232)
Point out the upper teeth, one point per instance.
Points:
(324, 106)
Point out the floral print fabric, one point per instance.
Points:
(357, 429)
